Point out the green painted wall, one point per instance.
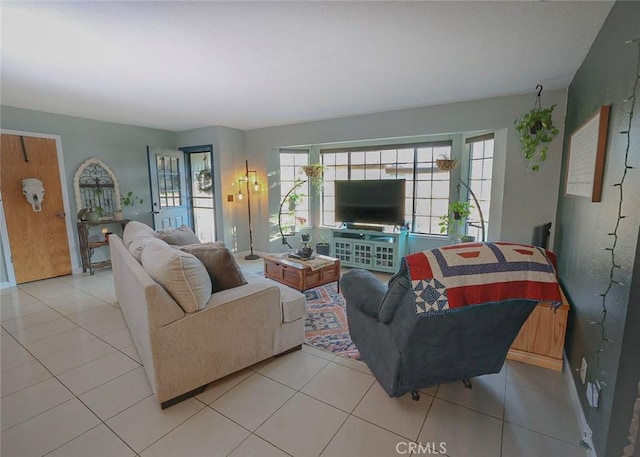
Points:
(606, 77)
(122, 147)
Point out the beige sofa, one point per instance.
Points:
(183, 352)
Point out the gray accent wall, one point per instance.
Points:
(606, 77)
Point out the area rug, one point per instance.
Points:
(325, 326)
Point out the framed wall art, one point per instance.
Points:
(587, 151)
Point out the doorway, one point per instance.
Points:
(202, 191)
(35, 208)
(182, 189)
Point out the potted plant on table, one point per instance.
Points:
(92, 214)
(306, 250)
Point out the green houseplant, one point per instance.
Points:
(294, 199)
(454, 220)
(130, 199)
(536, 129)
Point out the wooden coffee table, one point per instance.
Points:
(295, 273)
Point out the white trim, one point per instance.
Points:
(74, 250)
(585, 430)
(6, 248)
(105, 167)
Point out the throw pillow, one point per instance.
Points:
(135, 229)
(138, 244)
(179, 273)
(178, 237)
(221, 266)
(208, 244)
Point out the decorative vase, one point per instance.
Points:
(91, 216)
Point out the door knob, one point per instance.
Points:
(61, 214)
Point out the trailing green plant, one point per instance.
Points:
(536, 129)
(130, 199)
(294, 199)
(455, 217)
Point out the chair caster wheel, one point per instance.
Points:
(415, 396)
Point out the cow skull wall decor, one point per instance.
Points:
(33, 191)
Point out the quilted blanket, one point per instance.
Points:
(451, 277)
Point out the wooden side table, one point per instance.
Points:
(87, 247)
(300, 276)
(541, 338)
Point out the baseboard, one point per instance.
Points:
(577, 406)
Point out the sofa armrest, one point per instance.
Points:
(238, 293)
(363, 291)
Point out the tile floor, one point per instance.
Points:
(72, 385)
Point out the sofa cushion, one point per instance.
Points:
(179, 273)
(138, 244)
(178, 236)
(135, 229)
(220, 264)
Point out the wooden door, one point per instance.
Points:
(38, 240)
(168, 188)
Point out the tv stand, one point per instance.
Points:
(369, 249)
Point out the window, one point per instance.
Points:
(169, 181)
(295, 211)
(201, 195)
(480, 166)
(427, 187)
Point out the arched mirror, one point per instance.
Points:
(96, 187)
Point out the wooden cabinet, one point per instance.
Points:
(298, 275)
(541, 338)
(369, 249)
(87, 247)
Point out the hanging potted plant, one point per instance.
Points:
(314, 173)
(536, 129)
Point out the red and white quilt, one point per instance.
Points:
(474, 273)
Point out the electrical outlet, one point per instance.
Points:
(583, 371)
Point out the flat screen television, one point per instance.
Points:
(371, 201)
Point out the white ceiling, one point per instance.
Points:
(183, 65)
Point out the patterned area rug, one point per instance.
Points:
(325, 326)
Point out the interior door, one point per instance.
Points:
(168, 188)
(38, 239)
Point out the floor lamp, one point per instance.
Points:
(251, 255)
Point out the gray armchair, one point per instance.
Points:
(407, 351)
